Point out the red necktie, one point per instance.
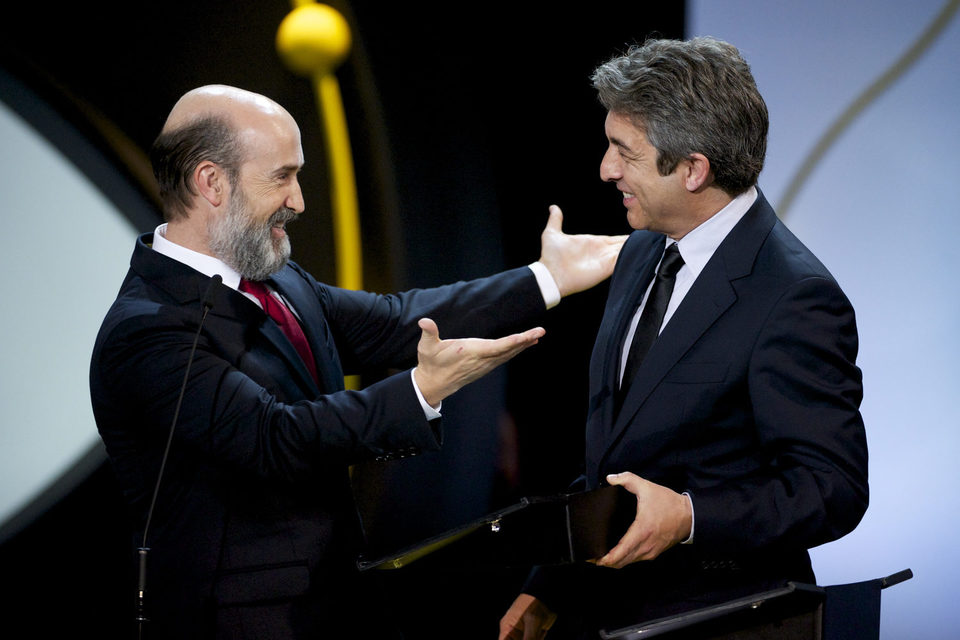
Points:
(284, 319)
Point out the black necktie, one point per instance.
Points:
(648, 328)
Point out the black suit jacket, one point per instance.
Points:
(749, 400)
(254, 532)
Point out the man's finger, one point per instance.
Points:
(632, 547)
(555, 221)
(523, 341)
(513, 343)
(429, 328)
(615, 556)
(532, 335)
(629, 481)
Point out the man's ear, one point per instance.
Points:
(210, 181)
(698, 175)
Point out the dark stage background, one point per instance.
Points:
(467, 121)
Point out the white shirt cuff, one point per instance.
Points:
(693, 519)
(548, 286)
(428, 411)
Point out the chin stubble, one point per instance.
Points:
(249, 247)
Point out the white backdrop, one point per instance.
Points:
(62, 252)
(881, 211)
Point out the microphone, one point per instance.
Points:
(206, 302)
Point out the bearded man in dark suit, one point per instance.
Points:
(254, 533)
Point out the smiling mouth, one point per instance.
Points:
(279, 220)
(278, 230)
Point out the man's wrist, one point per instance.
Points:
(430, 412)
(548, 285)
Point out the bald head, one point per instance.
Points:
(214, 123)
(218, 100)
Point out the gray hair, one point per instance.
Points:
(694, 96)
(176, 153)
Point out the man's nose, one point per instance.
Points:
(610, 170)
(295, 199)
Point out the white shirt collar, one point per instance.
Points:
(696, 248)
(207, 265)
(699, 245)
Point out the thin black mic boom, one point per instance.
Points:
(207, 303)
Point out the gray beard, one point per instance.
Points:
(246, 246)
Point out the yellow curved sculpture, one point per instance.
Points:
(312, 41)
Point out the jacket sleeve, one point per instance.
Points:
(138, 374)
(388, 333)
(805, 393)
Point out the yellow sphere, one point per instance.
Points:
(313, 39)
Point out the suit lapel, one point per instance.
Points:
(634, 270)
(624, 303)
(709, 297)
(187, 286)
(314, 324)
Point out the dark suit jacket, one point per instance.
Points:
(749, 400)
(255, 532)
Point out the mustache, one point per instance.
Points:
(282, 216)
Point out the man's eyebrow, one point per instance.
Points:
(287, 168)
(622, 145)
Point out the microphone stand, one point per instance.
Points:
(143, 550)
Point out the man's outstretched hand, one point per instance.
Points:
(577, 262)
(444, 366)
